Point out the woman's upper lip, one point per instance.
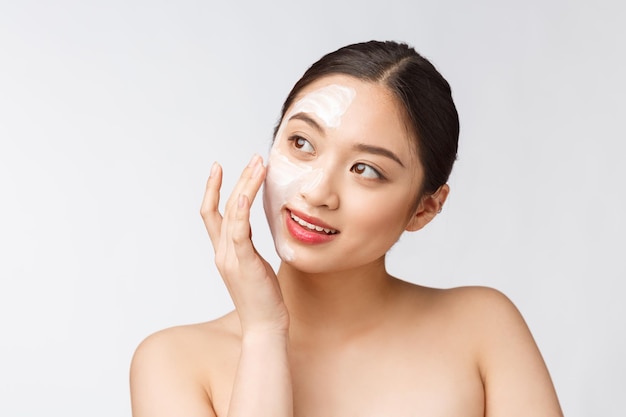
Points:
(313, 220)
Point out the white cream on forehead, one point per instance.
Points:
(328, 103)
(287, 179)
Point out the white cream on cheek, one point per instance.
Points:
(284, 182)
(287, 179)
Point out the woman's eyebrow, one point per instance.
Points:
(362, 147)
(310, 121)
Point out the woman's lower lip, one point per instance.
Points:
(304, 234)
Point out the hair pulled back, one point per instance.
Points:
(420, 89)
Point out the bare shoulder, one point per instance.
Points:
(486, 323)
(485, 317)
(171, 369)
(516, 379)
(489, 314)
(474, 298)
(482, 305)
(179, 341)
(466, 305)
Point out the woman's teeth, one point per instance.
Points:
(312, 226)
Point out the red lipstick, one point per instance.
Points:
(305, 228)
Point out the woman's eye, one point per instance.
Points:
(366, 171)
(303, 144)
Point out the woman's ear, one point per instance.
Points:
(428, 207)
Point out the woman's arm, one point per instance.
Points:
(516, 380)
(263, 381)
(262, 385)
(166, 379)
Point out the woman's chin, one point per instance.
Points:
(308, 263)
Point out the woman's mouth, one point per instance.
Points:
(309, 230)
(311, 226)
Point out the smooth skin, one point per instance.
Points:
(348, 341)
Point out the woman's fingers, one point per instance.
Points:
(250, 280)
(238, 216)
(210, 204)
(243, 182)
(237, 249)
(249, 184)
(244, 251)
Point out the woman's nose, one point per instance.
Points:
(319, 190)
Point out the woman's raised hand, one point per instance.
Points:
(250, 280)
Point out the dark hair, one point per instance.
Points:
(421, 90)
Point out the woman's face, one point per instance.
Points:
(342, 176)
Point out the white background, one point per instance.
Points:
(111, 113)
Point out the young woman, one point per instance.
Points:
(362, 153)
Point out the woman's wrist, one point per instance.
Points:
(275, 328)
(261, 336)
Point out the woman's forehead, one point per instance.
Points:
(328, 103)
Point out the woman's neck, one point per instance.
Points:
(336, 305)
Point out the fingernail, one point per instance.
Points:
(213, 169)
(241, 201)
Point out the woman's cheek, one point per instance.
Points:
(283, 178)
(285, 184)
(281, 186)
